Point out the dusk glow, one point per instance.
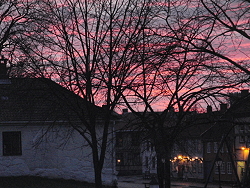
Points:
(144, 87)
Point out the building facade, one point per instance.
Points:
(38, 120)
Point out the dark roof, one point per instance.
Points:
(224, 123)
(40, 99)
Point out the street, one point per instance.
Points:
(139, 182)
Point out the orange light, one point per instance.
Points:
(243, 148)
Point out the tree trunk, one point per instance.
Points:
(168, 173)
(98, 177)
(163, 167)
(160, 171)
(98, 165)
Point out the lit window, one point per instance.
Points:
(12, 143)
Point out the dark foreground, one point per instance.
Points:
(38, 182)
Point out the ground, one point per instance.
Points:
(37, 182)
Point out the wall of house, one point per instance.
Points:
(58, 152)
(242, 144)
(128, 153)
(149, 161)
(226, 168)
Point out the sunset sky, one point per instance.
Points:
(223, 26)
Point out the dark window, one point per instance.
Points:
(209, 147)
(135, 139)
(119, 140)
(137, 159)
(12, 143)
(146, 162)
(153, 163)
(242, 139)
(242, 128)
(147, 145)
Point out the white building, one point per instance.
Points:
(37, 135)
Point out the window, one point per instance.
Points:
(194, 166)
(242, 128)
(12, 143)
(248, 142)
(223, 168)
(229, 168)
(200, 170)
(215, 147)
(135, 139)
(147, 145)
(222, 149)
(242, 139)
(146, 162)
(134, 159)
(209, 147)
(199, 145)
(119, 140)
(153, 162)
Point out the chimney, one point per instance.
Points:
(3, 68)
(209, 109)
(171, 109)
(124, 111)
(244, 92)
(223, 107)
(4, 79)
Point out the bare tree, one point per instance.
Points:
(89, 47)
(171, 75)
(219, 29)
(17, 22)
(223, 29)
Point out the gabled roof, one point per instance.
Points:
(40, 99)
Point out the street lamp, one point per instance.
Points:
(163, 160)
(218, 163)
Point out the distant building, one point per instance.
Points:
(128, 146)
(204, 139)
(228, 139)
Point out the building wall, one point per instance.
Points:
(242, 144)
(226, 170)
(58, 152)
(128, 153)
(149, 160)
